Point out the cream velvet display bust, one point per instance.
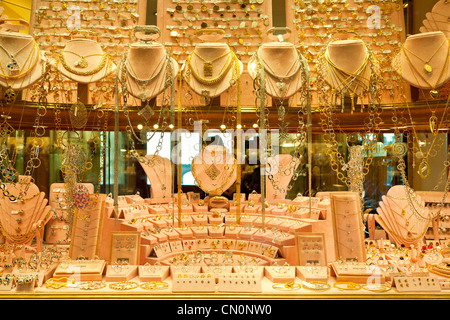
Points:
(211, 69)
(23, 63)
(282, 63)
(348, 68)
(423, 61)
(146, 68)
(83, 61)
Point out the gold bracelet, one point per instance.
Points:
(91, 285)
(348, 286)
(288, 286)
(58, 283)
(154, 285)
(376, 287)
(316, 285)
(124, 285)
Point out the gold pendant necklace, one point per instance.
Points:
(426, 63)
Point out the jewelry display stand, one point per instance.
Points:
(83, 270)
(280, 274)
(125, 247)
(83, 61)
(120, 273)
(57, 229)
(406, 224)
(194, 282)
(348, 227)
(424, 69)
(25, 62)
(160, 176)
(23, 220)
(153, 273)
(86, 238)
(235, 282)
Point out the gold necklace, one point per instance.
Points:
(208, 82)
(13, 65)
(433, 92)
(105, 59)
(426, 63)
(208, 64)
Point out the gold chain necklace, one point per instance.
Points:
(105, 59)
(208, 64)
(218, 78)
(426, 63)
(433, 91)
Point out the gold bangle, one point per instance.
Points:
(58, 283)
(348, 286)
(124, 285)
(154, 285)
(288, 286)
(376, 287)
(316, 285)
(91, 285)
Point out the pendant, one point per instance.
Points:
(424, 169)
(78, 115)
(281, 87)
(281, 112)
(5, 128)
(206, 97)
(13, 66)
(82, 63)
(9, 95)
(433, 121)
(434, 93)
(428, 69)
(212, 172)
(147, 112)
(207, 69)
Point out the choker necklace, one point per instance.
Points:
(80, 63)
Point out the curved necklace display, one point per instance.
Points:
(328, 108)
(405, 227)
(153, 80)
(161, 187)
(18, 223)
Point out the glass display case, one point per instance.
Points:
(184, 149)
